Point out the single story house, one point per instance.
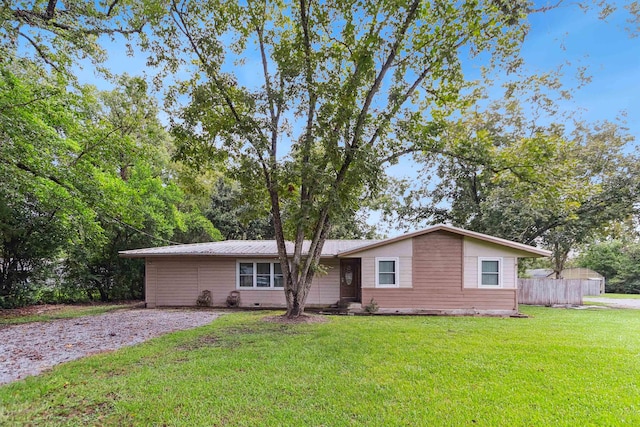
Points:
(438, 269)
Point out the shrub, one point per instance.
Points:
(372, 307)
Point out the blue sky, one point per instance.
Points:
(565, 36)
(611, 56)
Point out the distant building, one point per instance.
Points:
(568, 273)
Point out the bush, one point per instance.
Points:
(618, 262)
(372, 307)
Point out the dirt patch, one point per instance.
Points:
(614, 302)
(31, 310)
(31, 348)
(52, 309)
(305, 318)
(209, 340)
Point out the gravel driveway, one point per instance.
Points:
(31, 348)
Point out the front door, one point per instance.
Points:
(350, 285)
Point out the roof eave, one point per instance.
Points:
(124, 254)
(460, 231)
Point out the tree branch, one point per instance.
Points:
(305, 191)
(358, 129)
(184, 28)
(51, 178)
(51, 9)
(265, 70)
(24, 104)
(45, 22)
(41, 53)
(398, 104)
(94, 145)
(397, 155)
(111, 6)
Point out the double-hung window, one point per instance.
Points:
(490, 272)
(387, 273)
(259, 275)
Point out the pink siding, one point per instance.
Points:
(178, 282)
(437, 272)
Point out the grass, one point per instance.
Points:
(621, 296)
(587, 301)
(53, 312)
(558, 367)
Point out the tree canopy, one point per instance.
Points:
(618, 261)
(83, 174)
(343, 89)
(501, 174)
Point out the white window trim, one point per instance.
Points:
(397, 272)
(255, 275)
(500, 263)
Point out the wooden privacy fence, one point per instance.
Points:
(592, 287)
(555, 291)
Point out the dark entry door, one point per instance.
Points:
(350, 285)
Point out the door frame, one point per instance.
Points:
(356, 264)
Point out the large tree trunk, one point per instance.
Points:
(295, 307)
(104, 295)
(298, 291)
(299, 271)
(560, 255)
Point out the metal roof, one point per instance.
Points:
(244, 248)
(331, 248)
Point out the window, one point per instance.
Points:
(387, 273)
(263, 274)
(245, 275)
(278, 278)
(489, 272)
(259, 275)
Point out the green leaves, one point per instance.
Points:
(617, 261)
(84, 174)
(334, 92)
(503, 175)
(318, 83)
(58, 34)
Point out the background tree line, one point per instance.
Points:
(84, 174)
(615, 254)
(560, 185)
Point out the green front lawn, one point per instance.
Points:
(621, 296)
(559, 367)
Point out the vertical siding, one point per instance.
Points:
(437, 261)
(179, 281)
(150, 278)
(176, 283)
(437, 272)
(403, 250)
